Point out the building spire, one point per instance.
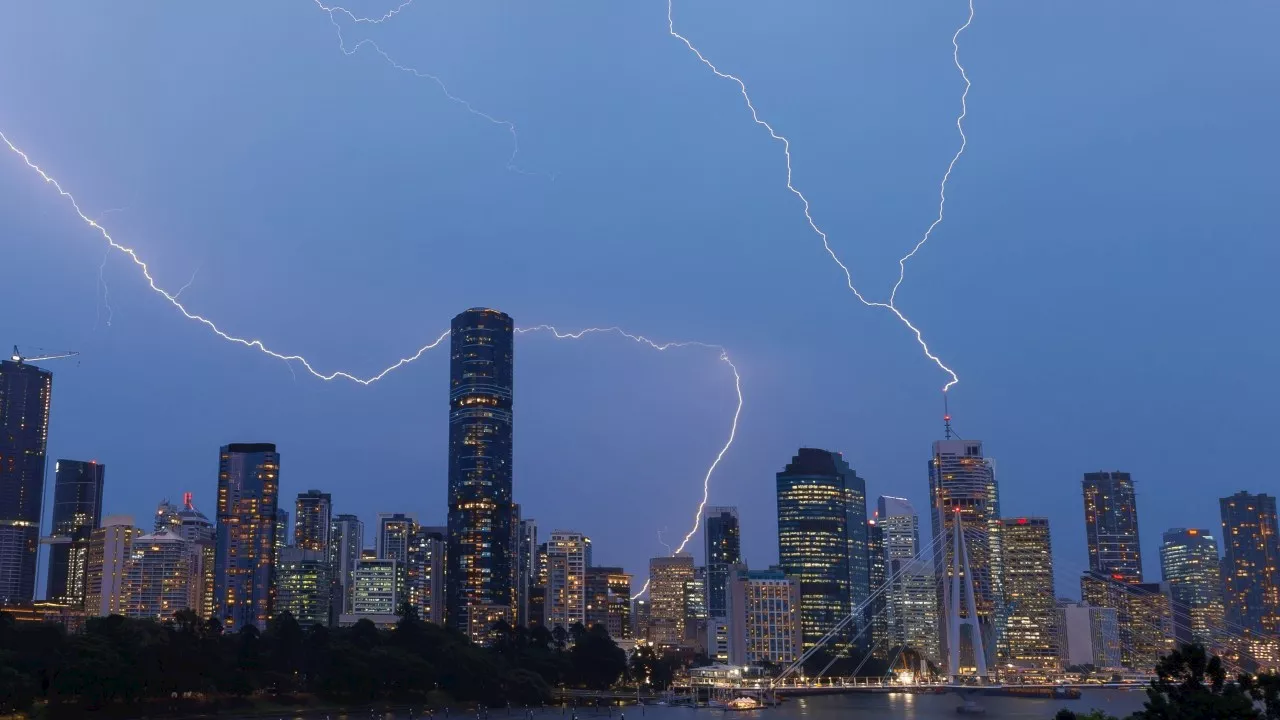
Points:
(946, 417)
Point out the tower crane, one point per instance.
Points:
(42, 354)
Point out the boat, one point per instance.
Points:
(743, 703)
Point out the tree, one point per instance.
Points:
(597, 661)
(1190, 684)
(1065, 714)
(1265, 690)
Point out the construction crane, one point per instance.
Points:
(43, 354)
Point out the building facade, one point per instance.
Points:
(1189, 563)
(346, 540)
(1111, 525)
(526, 568)
(1251, 563)
(666, 608)
(764, 617)
(608, 597)
(695, 610)
(723, 551)
(77, 510)
(110, 548)
(161, 577)
(245, 552)
(425, 573)
(304, 584)
(313, 520)
(1031, 635)
(822, 538)
(377, 587)
(566, 579)
(480, 555)
(962, 478)
(1088, 635)
(25, 392)
(395, 532)
(911, 609)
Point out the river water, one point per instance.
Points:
(830, 707)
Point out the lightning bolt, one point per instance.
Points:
(813, 225)
(334, 10)
(105, 298)
(193, 279)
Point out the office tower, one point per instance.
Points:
(640, 619)
(25, 391)
(608, 591)
(695, 610)
(377, 587)
(394, 532)
(303, 585)
(911, 608)
(526, 567)
(480, 556)
(77, 510)
(666, 609)
(244, 572)
(346, 540)
(1144, 616)
(1111, 525)
(192, 526)
(1189, 563)
(1251, 563)
(160, 578)
(282, 529)
(1030, 632)
(900, 526)
(537, 605)
(167, 517)
(425, 572)
(878, 609)
(1088, 635)
(960, 477)
(723, 551)
(764, 617)
(718, 639)
(822, 541)
(566, 578)
(110, 548)
(312, 520)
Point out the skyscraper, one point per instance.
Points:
(695, 610)
(1111, 525)
(346, 540)
(961, 478)
(1189, 563)
(764, 617)
(480, 555)
(394, 533)
(666, 609)
(303, 586)
(192, 526)
(566, 578)
(160, 578)
(110, 548)
(25, 391)
(424, 572)
(1031, 633)
(822, 527)
(608, 593)
(77, 510)
(911, 598)
(1251, 566)
(876, 567)
(526, 567)
(901, 527)
(724, 550)
(377, 587)
(244, 571)
(313, 520)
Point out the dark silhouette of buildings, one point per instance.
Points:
(25, 392)
(77, 512)
(724, 550)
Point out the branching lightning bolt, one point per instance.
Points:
(334, 10)
(786, 149)
(105, 297)
(192, 280)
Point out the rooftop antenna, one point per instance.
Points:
(946, 415)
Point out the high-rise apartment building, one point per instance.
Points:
(303, 586)
(161, 577)
(878, 609)
(1088, 635)
(1251, 563)
(313, 521)
(77, 510)
(608, 593)
(822, 541)
(1189, 563)
(25, 391)
(394, 533)
(244, 570)
(962, 478)
(1144, 616)
(900, 526)
(346, 540)
(566, 578)
(192, 526)
(695, 610)
(764, 617)
(377, 587)
(110, 548)
(424, 572)
(480, 555)
(723, 551)
(526, 567)
(911, 603)
(666, 610)
(1111, 525)
(1031, 635)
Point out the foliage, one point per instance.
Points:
(118, 662)
(1191, 684)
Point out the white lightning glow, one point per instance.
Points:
(786, 149)
(189, 282)
(334, 10)
(105, 297)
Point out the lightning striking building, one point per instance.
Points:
(244, 559)
(480, 555)
(25, 392)
(960, 477)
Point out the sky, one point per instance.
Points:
(1102, 282)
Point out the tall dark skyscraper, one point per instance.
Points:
(822, 540)
(480, 556)
(1111, 525)
(25, 391)
(1251, 565)
(312, 520)
(245, 553)
(346, 540)
(1189, 563)
(724, 550)
(77, 511)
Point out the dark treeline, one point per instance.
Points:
(118, 663)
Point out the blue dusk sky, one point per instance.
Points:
(1103, 282)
